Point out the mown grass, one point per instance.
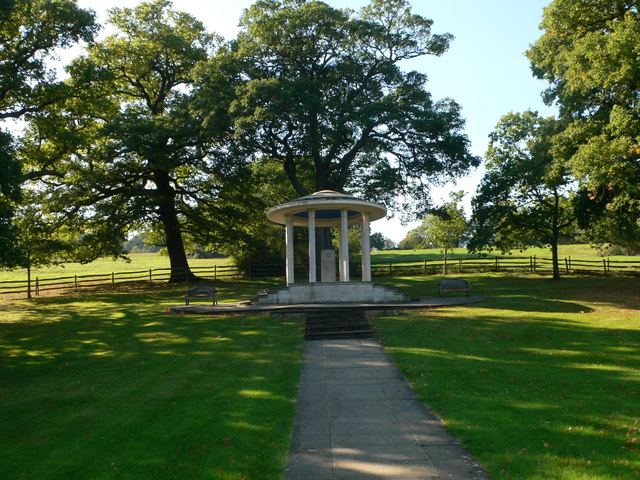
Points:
(577, 251)
(104, 266)
(541, 382)
(109, 386)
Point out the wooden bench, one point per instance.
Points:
(454, 285)
(202, 291)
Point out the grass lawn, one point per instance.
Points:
(108, 386)
(104, 266)
(542, 381)
(578, 251)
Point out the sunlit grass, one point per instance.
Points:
(104, 266)
(110, 386)
(577, 251)
(542, 381)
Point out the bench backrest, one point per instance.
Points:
(454, 283)
(202, 290)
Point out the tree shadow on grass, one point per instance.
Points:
(567, 295)
(536, 396)
(91, 383)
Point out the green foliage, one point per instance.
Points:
(10, 180)
(30, 32)
(446, 228)
(141, 243)
(134, 148)
(379, 242)
(524, 198)
(589, 54)
(258, 241)
(323, 96)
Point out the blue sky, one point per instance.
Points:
(485, 69)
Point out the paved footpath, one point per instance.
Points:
(358, 419)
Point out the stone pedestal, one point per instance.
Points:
(328, 266)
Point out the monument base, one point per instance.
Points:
(332, 292)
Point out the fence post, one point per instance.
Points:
(566, 264)
(604, 264)
(150, 277)
(460, 265)
(75, 282)
(497, 264)
(390, 268)
(113, 279)
(424, 270)
(609, 265)
(570, 266)
(37, 287)
(215, 272)
(534, 263)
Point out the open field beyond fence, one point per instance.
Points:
(152, 269)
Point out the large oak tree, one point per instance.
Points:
(325, 97)
(133, 150)
(589, 52)
(523, 199)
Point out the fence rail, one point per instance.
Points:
(424, 267)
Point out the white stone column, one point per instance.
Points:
(289, 245)
(344, 246)
(312, 246)
(366, 248)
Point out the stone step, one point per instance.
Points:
(340, 335)
(335, 324)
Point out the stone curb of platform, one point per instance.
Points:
(245, 308)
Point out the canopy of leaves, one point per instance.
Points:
(589, 53)
(524, 198)
(324, 96)
(30, 33)
(445, 229)
(10, 179)
(134, 147)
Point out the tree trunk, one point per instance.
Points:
(180, 271)
(555, 235)
(554, 257)
(444, 267)
(29, 278)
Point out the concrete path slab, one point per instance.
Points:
(358, 419)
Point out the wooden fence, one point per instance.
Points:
(76, 282)
(457, 266)
(533, 264)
